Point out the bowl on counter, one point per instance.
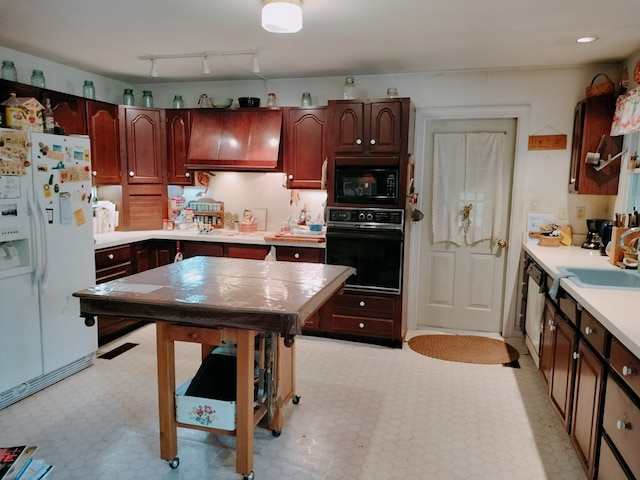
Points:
(249, 101)
(315, 227)
(220, 102)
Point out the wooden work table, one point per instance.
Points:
(210, 299)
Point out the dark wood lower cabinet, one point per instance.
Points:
(561, 383)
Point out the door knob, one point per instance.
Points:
(502, 243)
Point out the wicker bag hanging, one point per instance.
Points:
(599, 89)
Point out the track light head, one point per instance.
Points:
(154, 69)
(255, 68)
(205, 66)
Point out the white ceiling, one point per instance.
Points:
(338, 38)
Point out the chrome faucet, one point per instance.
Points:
(626, 234)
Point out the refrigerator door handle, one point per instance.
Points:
(40, 241)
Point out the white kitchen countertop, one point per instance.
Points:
(113, 239)
(616, 309)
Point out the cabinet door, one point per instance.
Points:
(384, 127)
(348, 127)
(586, 406)
(207, 249)
(140, 257)
(304, 153)
(564, 341)
(102, 125)
(144, 146)
(178, 131)
(69, 112)
(546, 342)
(254, 252)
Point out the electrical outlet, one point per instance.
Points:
(562, 214)
(534, 206)
(580, 213)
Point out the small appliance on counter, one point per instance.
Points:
(105, 217)
(592, 241)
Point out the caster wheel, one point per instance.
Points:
(249, 477)
(174, 463)
(296, 399)
(276, 433)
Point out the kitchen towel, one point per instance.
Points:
(467, 187)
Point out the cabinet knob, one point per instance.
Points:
(588, 330)
(296, 255)
(372, 141)
(110, 256)
(361, 325)
(290, 177)
(621, 425)
(576, 355)
(627, 371)
(573, 180)
(131, 173)
(552, 327)
(187, 174)
(359, 141)
(362, 303)
(94, 173)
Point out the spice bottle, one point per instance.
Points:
(47, 117)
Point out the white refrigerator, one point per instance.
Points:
(46, 254)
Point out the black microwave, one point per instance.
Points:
(366, 185)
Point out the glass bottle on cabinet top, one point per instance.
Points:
(88, 90)
(37, 79)
(147, 98)
(306, 99)
(8, 71)
(127, 97)
(178, 102)
(349, 88)
(47, 117)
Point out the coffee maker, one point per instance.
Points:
(592, 241)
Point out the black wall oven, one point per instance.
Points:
(370, 240)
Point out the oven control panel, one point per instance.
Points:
(392, 218)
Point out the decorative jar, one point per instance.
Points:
(37, 79)
(178, 102)
(88, 90)
(127, 97)
(147, 98)
(306, 99)
(349, 88)
(8, 71)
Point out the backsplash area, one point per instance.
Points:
(243, 190)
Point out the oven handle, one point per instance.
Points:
(372, 234)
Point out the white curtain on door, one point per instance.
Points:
(467, 187)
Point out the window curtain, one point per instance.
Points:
(626, 118)
(467, 187)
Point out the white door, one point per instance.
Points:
(462, 287)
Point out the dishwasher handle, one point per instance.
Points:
(538, 275)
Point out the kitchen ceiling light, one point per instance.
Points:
(586, 39)
(282, 16)
(154, 68)
(205, 66)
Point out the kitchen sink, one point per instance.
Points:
(591, 277)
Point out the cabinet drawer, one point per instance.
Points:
(626, 364)
(609, 468)
(296, 254)
(111, 273)
(594, 333)
(622, 423)
(362, 325)
(108, 257)
(568, 306)
(364, 305)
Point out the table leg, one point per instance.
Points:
(166, 388)
(244, 401)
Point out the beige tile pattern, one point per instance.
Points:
(366, 412)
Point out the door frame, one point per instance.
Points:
(425, 115)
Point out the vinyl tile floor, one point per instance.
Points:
(366, 412)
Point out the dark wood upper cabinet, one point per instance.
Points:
(102, 125)
(142, 143)
(20, 89)
(591, 128)
(178, 132)
(243, 139)
(304, 146)
(363, 127)
(69, 111)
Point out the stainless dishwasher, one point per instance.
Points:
(536, 288)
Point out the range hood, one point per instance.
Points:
(242, 139)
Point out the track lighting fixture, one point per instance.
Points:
(255, 67)
(282, 16)
(205, 66)
(154, 68)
